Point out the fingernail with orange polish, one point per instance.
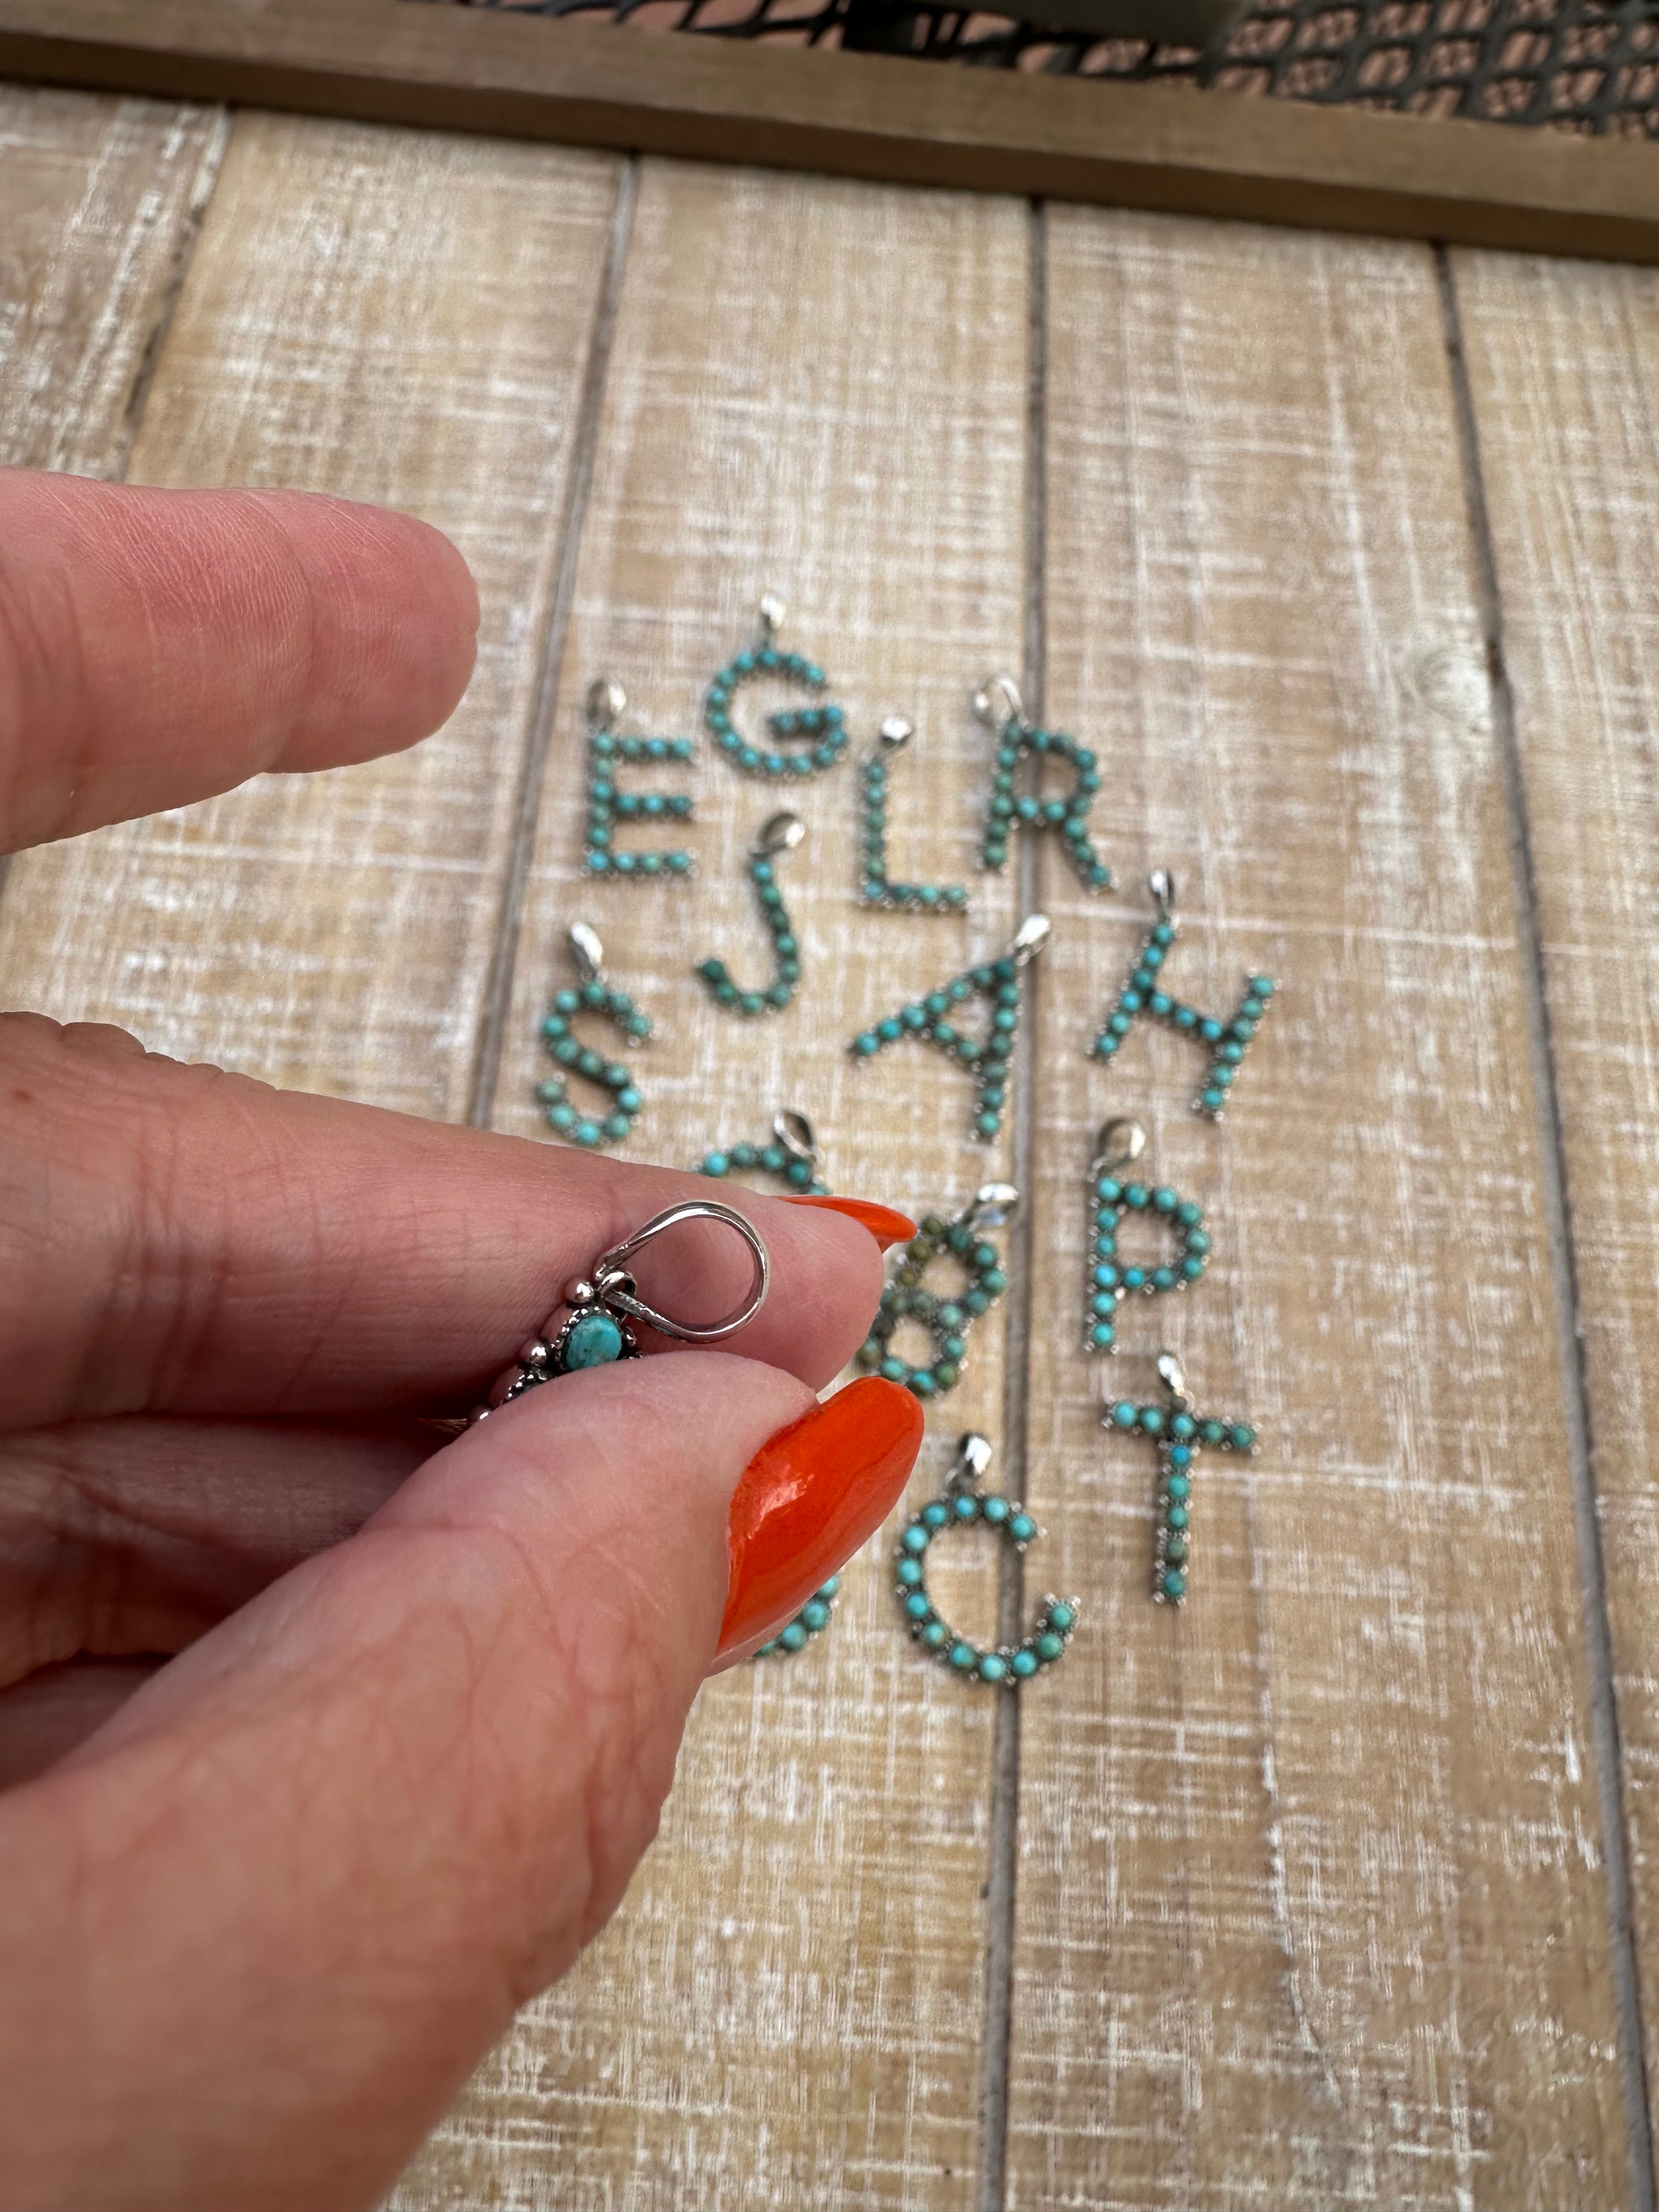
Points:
(884, 1223)
(809, 1499)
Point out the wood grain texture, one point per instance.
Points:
(862, 115)
(1563, 373)
(1311, 1908)
(98, 200)
(397, 317)
(816, 388)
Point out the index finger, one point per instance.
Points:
(179, 1239)
(160, 647)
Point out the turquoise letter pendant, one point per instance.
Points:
(780, 835)
(947, 1321)
(607, 751)
(964, 1505)
(988, 1059)
(875, 887)
(821, 727)
(1113, 1197)
(1225, 1042)
(1181, 1434)
(791, 1157)
(997, 703)
(594, 996)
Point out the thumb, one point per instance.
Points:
(266, 1919)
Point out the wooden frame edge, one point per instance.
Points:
(860, 115)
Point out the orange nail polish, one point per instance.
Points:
(810, 1496)
(884, 1223)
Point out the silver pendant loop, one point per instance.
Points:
(597, 1307)
(613, 1286)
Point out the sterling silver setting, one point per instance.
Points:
(592, 1324)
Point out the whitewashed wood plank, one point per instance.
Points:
(818, 388)
(1563, 373)
(1311, 1909)
(99, 203)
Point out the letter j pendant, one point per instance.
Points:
(592, 1325)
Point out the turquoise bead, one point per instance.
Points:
(815, 1613)
(793, 1637)
(1174, 1583)
(1022, 1528)
(1025, 1664)
(996, 1511)
(1176, 1516)
(1060, 1616)
(934, 1634)
(962, 1656)
(935, 1515)
(1050, 1646)
(1181, 1455)
(1124, 1415)
(917, 1606)
(992, 1667)
(1178, 1486)
(1183, 1426)
(594, 1340)
(908, 1571)
(915, 1540)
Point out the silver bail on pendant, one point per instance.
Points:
(1173, 1376)
(973, 1460)
(612, 1283)
(589, 1326)
(1121, 1142)
(1032, 935)
(991, 1203)
(794, 1132)
(779, 833)
(586, 952)
(606, 703)
(995, 702)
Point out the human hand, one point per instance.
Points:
(263, 1903)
